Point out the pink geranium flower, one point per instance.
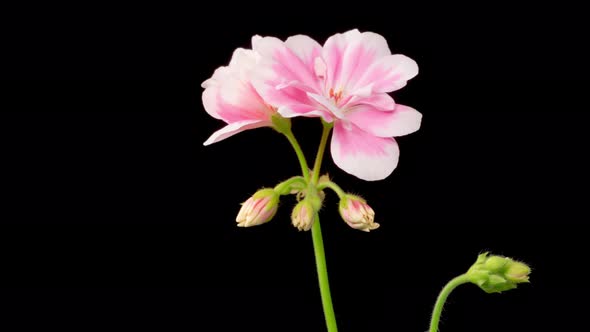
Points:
(230, 96)
(345, 82)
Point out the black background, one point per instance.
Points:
(115, 217)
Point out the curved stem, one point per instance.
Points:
(320, 259)
(299, 152)
(442, 298)
(320, 155)
(333, 186)
(285, 187)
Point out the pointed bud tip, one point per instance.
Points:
(258, 209)
(357, 213)
(495, 274)
(303, 215)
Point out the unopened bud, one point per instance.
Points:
(518, 272)
(357, 213)
(303, 215)
(495, 274)
(258, 209)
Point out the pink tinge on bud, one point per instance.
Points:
(303, 215)
(258, 209)
(357, 213)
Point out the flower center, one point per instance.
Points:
(336, 96)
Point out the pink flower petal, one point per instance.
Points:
(327, 104)
(209, 98)
(291, 111)
(348, 56)
(388, 74)
(230, 96)
(288, 73)
(243, 62)
(319, 67)
(400, 121)
(238, 100)
(286, 70)
(299, 103)
(306, 49)
(381, 101)
(241, 65)
(333, 52)
(219, 74)
(234, 100)
(363, 155)
(234, 128)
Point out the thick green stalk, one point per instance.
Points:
(442, 298)
(320, 259)
(316, 231)
(318, 242)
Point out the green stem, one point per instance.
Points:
(442, 298)
(299, 152)
(333, 186)
(284, 188)
(318, 242)
(320, 259)
(320, 155)
(316, 231)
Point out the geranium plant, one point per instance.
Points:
(346, 84)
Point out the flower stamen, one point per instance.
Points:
(336, 96)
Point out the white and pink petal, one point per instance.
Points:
(218, 75)
(240, 101)
(327, 105)
(234, 128)
(295, 110)
(234, 100)
(230, 96)
(243, 63)
(210, 100)
(333, 53)
(362, 154)
(281, 62)
(387, 74)
(381, 101)
(348, 56)
(306, 49)
(402, 120)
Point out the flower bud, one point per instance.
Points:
(357, 213)
(518, 272)
(495, 274)
(258, 209)
(303, 215)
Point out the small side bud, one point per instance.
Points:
(495, 274)
(357, 213)
(303, 215)
(258, 209)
